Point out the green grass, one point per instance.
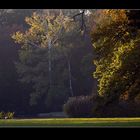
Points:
(72, 122)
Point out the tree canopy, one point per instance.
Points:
(47, 54)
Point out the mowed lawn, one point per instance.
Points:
(72, 122)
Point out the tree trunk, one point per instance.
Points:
(50, 67)
(70, 78)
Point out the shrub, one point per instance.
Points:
(1, 115)
(78, 106)
(9, 115)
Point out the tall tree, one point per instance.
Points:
(46, 55)
(109, 30)
(116, 45)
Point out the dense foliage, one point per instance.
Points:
(80, 106)
(86, 60)
(47, 59)
(116, 43)
(13, 95)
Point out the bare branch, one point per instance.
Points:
(83, 25)
(33, 44)
(81, 13)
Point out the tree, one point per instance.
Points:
(110, 32)
(46, 54)
(116, 45)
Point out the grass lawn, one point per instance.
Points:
(72, 122)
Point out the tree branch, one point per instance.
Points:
(33, 44)
(83, 25)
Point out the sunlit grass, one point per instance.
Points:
(74, 122)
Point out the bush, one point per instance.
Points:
(78, 106)
(1, 115)
(8, 115)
